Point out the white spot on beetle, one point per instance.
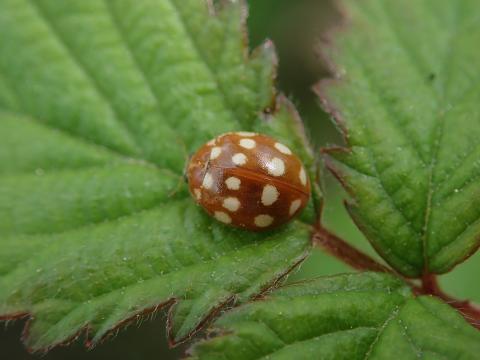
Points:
(263, 220)
(198, 194)
(303, 176)
(239, 159)
(247, 143)
(233, 183)
(276, 167)
(283, 149)
(269, 195)
(207, 182)
(294, 206)
(245, 133)
(223, 217)
(231, 204)
(215, 152)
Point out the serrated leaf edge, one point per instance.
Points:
(90, 342)
(329, 106)
(277, 101)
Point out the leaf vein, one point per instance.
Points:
(458, 164)
(438, 134)
(392, 316)
(134, 59)
(204, 60)
(467, 227)
(85, 71)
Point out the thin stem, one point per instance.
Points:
(345, 252)
(353, 257)
(470, 311)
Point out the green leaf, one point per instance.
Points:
(352, 316)
(101, 102)
(407, 103)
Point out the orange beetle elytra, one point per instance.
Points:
(248, 180)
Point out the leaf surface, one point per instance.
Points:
(352, 316)
(407, 102)
(101, 103)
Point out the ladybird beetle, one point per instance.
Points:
(248, 180)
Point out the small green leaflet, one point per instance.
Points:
(407, 102)
(353, 316)
(101, 103)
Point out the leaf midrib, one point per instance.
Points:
(439, 133)
(439, 128)
(425, 233)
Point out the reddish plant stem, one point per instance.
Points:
(430, 286)
(345, 252)
(353, 257)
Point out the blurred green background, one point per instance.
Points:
(296, 27)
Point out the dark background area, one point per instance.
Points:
(296, 28)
